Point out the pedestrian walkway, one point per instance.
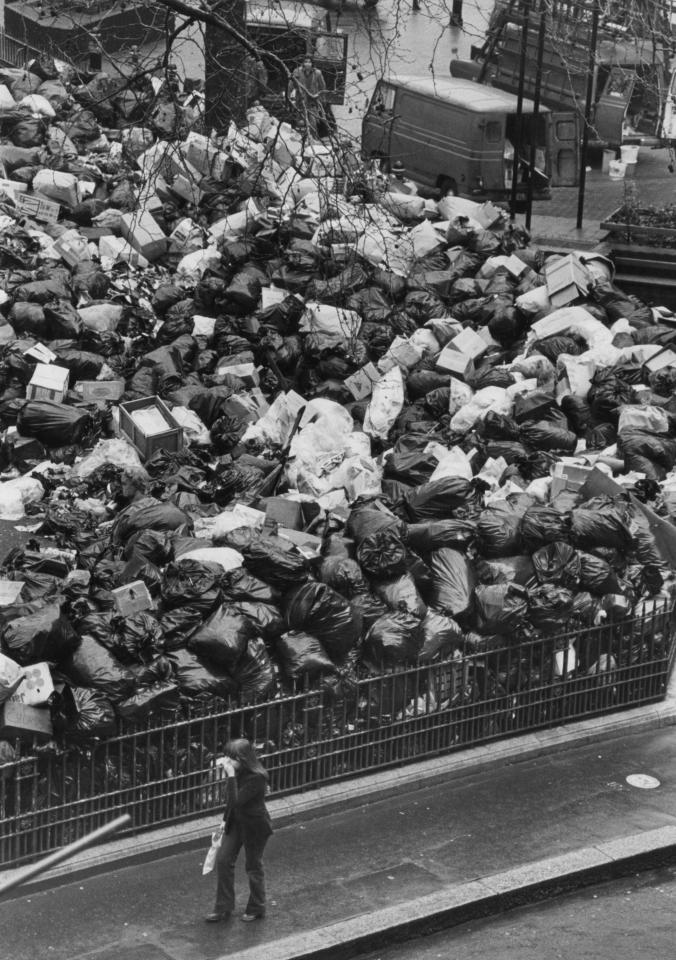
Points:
(469, 839)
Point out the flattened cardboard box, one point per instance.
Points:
(37, 208)
(95, 391)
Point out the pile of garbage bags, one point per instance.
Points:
(397, 432)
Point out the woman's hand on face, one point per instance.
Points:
(227, 766)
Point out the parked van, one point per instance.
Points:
(460, 137)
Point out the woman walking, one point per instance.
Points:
(248, 825)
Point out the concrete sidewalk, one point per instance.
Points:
(439, 843)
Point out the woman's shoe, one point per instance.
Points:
(250, 917)
(217, 917)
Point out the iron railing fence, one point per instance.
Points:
(164, 772)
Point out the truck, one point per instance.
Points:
(632, 98)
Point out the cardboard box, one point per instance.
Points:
(36, 687)
(48, 382)
(400, 353)
(13, 187)
(246, 372)
(458, 364)
(470, 343)
(187, 186)
(361, 383)
(144, 234)
(41, 353)
(665, 358)
(286, 513)
(147, 441)
(99, 391)
(566, 279)
(569, 477)
(72, 247)
(115, 248)
(25, 722)
(132, 598)
(37, 208)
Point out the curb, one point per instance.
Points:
(348, 794)
(484, 897)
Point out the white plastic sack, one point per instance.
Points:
(460, 395)
(101, 317)
(387, 402)
(646, 418)
(490, 398)
(214, 528)
(534, 304)
(212, 852)
(57, 186)
(37, 104)
(7, 101)
(226, 557)
(335, 321)
(194, 429)
(117, 451)
(194, 264)
(15, 494)
(403, 206)
(425, 239)
(453, 463)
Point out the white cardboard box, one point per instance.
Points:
(48, 382)
(452, 361)
(360, 384)
(470, 343)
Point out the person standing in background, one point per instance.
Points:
(247, 824)
(307, 89)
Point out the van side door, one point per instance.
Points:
(563, 143)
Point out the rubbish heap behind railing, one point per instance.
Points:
(336, 729)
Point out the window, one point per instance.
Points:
(329, 48)
(383, 99)
(565, 130)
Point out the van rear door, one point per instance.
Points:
(611, 107)
(330, 56)
(563, 142)
(376, 127)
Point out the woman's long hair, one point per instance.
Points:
(243, 751)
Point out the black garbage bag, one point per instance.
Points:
(550, 608)
(148, 673)
(578, 412)
(244, 290)
(28, 319)
(155, 546)
(601, 436)
(139, 569)
(437, 499)
(46, 634)
(222, 639)
(499, 530)
(342, 574)
(607, 394)
(596, 575)
(161, 695)
(195, 678)
(54, 424)
(92, 665)
(425, 537)
(178, 624)
(401, 594)
(545, 435)
(148, 514)
(553, 347)
(192, 583)
(496, 426)
(254, 673)
(276, 562)
(317, 609)
(239, 584)
(558, 563)
(538, 405)
(137, 638)
(396, 637)
(408, 461)
(367, 519)
(367, 608)
(441, 636)
(501, 607)
(517, 569)
(302, 654)
(83, 715)
(453, 582)
(266, 617)
(542, 525)
(382, 555)
(600, 523)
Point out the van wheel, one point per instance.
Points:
(448, 187)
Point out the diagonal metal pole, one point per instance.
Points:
(519, 107)
(65, 853)
(587, 112)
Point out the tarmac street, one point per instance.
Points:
(386, 854)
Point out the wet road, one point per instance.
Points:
(624, 920)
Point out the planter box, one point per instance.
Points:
(637, 231)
